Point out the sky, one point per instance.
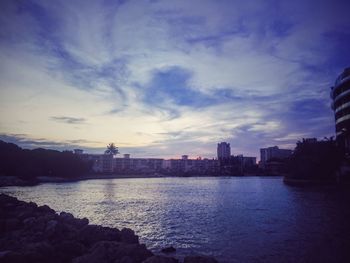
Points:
(167, 78)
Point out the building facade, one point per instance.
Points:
(269, 153)
(223, 151)
(340, 94)
(191, 166)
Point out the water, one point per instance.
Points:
(249, 219)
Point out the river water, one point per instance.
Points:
(236, 219)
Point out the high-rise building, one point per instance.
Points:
(224, 150)
(341, 105)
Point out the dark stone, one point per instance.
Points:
(42, 248)
(29, 221)
(124, 260)
(128, 236)
(161, 259)
(67, 250)
(51, 227)
(170, 249)
(66, 217)
(91, 234)
(4, 199)
(12, 224)
(200, 259)
(12, 257)
(45, 209)
(31, 234)
(111, 252)
(79, 223)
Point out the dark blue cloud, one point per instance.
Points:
(280, 27)
(173, 84)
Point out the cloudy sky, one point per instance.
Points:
(166, 78)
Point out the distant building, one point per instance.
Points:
(269, 153)
(341, 105)
(101, 163)
(137, 165)
(223, 151)
(191, 166)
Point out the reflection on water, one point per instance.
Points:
(234, 219)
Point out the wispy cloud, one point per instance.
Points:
(69, 120)
(177, 79)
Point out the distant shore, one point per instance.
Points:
(16, 181)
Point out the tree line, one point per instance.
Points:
(29, 164)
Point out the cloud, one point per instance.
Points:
(69, 120)
(177, 79)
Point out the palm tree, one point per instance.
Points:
(111, 149)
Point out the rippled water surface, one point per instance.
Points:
(249, 219)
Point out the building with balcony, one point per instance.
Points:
(340, 94)
(188, 166)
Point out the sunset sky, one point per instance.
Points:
(166, 78)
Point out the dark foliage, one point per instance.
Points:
(28, 164)
(317, 161)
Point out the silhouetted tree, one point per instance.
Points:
(315, 161)
(112, 149)
(28, 164)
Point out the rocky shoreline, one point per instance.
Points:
(31, 233)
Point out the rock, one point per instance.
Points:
(138, 252)
(31, 234)
(67, 250)
(160, 259)
(128, 236)
(45, 209)
(170, 249)
(12, 257)
(51, 227)
(124, 260)
(79, 223)
(43, 248)
(27, 213)
(91, 234)
(12, 224)
(29, 221)
(68, 218)
(111, 252)
(4, 199)
(3, 254)
(200, 259)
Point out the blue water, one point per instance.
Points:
(245, 219)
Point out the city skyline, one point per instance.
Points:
(163, 79)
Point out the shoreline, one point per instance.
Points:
(32, 233)
(6, 181)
